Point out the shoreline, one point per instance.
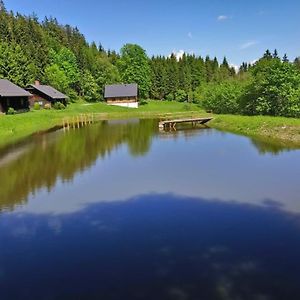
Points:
(284, 132)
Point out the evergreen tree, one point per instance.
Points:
(14, 65)
(101, 48)
(275, 54)
(172, 75)
(267, 55)
(285, 58)
(2, 6)
(297, 63)
(209, 69)
(225, 71)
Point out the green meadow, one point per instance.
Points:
(16, 127)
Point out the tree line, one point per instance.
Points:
(59, 55)
(271, 86)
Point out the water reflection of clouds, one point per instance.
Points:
(182, 247)
(55, 225)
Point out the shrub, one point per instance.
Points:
(58, 106)
(223, 98)
(73, 97)
(11, 111)
(36, 106)
(180, 96)
(170, 97)
(143, 102)
(274, 90)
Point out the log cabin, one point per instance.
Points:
(125, 95)
(45, 94)
(13, 96)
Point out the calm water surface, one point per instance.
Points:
(119, 210)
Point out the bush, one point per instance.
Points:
(36, 106)
(47, 106)
(274, 90)
(58, 106)
(180, 96)
(143, 102)
(170, 97)
(73, 97)
(223, 98)
(11, 111)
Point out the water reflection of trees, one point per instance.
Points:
(37, 164)
(271, 147)
(46, 158)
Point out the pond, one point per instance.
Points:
(120, 210)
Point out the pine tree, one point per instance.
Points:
(101, 48)
(267, 54)
(297, 62)
(172, 75)
(225, 71)
(2, 6)
(285, 58)
(209, 69)
(275, 54)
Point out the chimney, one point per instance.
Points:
(36, 82)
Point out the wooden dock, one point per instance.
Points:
(171, 124)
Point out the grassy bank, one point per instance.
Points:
(285, 131)
(16, 127)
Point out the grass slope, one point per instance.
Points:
(15, 127)
(285, 131)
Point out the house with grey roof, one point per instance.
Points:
(13, 96)
(125, 95)
(45, 94)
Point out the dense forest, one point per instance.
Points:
(59, 55)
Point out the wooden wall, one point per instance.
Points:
(38, 99)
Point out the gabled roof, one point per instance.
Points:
(121, 90)
(49, 91)
(9, 89)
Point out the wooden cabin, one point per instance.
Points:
(125, 95)
(13, 96)
(45, 94)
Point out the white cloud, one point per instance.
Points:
(222, 18)
(236, 67)
(254, 61)
(190, 35)
(248, 44)
(178, 54)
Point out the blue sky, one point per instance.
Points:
(241, 30)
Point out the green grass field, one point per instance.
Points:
(15, 127)
(283, 130)
(278, 129)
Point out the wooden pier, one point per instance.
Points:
(171, 124)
